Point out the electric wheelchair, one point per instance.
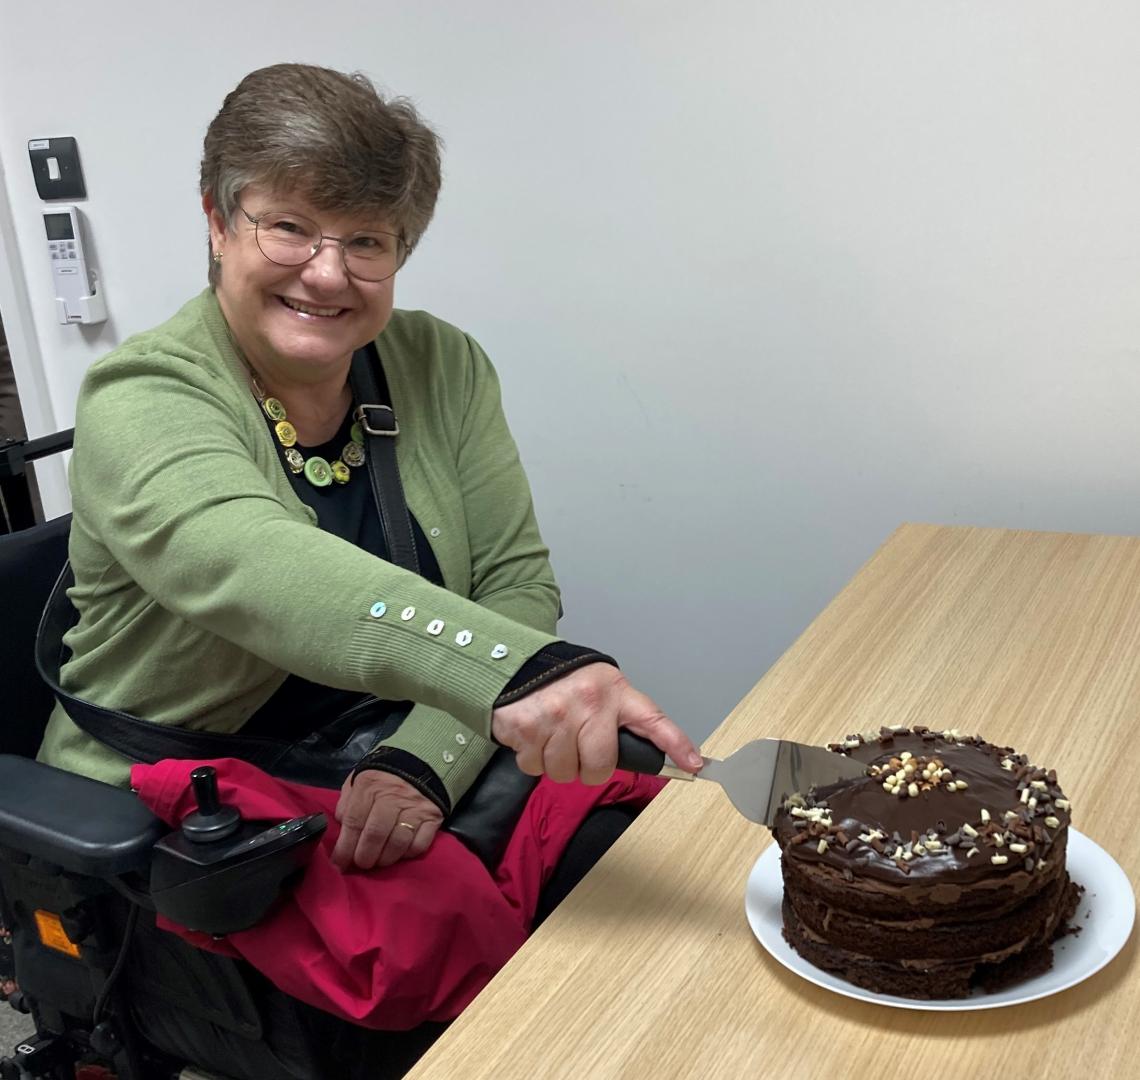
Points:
(110, 994)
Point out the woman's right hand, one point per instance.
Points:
(568, 728)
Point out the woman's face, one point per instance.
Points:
(299, 324)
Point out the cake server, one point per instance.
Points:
(756, 778)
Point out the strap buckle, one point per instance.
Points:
(383, 415)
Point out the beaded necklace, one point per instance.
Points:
(319, 472)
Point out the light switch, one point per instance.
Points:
(55, 166)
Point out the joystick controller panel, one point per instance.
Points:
(220, 874)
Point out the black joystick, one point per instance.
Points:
(212, 820)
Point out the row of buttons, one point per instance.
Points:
(435, 628)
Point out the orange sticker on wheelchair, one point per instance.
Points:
(53, 935)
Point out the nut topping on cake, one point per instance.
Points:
(907, 775)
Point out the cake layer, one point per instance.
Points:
(944, 981)
(926, 939)
(924, 900)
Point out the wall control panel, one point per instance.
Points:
(77, 295)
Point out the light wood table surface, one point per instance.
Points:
(649, 969)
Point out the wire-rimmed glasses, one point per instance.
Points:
(289, 239)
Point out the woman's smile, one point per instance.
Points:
(309, 311)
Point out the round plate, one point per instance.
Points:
(1105, 916)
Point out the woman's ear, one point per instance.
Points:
(216, 222)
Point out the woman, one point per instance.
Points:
(231, 571)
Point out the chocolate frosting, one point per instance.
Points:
(925, 837)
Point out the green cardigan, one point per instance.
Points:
(201, 579)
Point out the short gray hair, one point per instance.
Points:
(328, 137)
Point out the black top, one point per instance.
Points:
(349, 510)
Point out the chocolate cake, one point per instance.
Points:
(941, 870)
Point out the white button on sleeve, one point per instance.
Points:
(448, 756)
(461, 738)
(408, 613)
(499, 651)
(463, 638)
(377, 609)
(435, 627)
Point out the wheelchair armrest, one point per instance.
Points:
(79, 824)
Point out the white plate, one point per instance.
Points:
(1107, 902)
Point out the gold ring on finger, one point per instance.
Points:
(407, 825)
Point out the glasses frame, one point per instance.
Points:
(405, 249)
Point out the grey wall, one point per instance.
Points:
(762, 279)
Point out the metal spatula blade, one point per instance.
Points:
(756, 778)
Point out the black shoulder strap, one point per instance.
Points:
(139, 740)
(377, 418)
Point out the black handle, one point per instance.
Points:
(639, 755)
(213, 820)
(205, 782)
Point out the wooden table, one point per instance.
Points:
(649, 969)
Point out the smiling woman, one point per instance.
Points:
(299, 515)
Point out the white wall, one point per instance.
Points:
(762, 280)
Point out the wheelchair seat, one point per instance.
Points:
(101, 982)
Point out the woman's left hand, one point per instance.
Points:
(382, 819)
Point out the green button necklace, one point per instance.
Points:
(319, 472)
